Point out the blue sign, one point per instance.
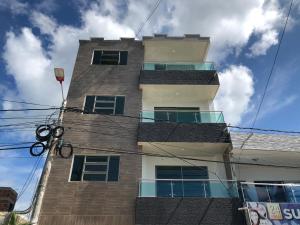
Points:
(265, 213)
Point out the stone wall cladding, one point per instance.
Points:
(184, 132)
(192, 77)
(100, 203)
(189, 211)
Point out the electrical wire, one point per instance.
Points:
(78, 110)
(14, 148)
(29, 109)
(157, 3)
(273, 65)
(129, 152)
(25, 102)
(29, 178)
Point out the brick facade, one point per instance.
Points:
(189, 211)
(8, 198)
(98, 202)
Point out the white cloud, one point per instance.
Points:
(236, 90)
(14, 6)
(230, 25)
(267, 40)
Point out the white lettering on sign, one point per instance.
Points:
(291, 214)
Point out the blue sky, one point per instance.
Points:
(37, 36)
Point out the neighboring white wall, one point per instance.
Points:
(164, 100)
(149, 163)
(260, 173)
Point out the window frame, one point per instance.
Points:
(114, 109)
(83, 166)
(103, 50)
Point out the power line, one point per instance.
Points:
(24, 102)
(14, 144)
(29, 178)
(79, 110)
(129, 152)
(148, 17)
(23, 110)
(273, 65)
(14, 148)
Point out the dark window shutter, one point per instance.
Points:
(97, 57)
(123, 57)
(77, 168)
(89, 104)
(113, 170)
(120, 101)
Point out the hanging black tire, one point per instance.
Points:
(36, 145)
(43, 132)
(66, 151)
(58, 131)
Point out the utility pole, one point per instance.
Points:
(37, 204)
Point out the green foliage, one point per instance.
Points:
(14, 219)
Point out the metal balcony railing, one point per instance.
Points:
(182, 116)
(178, 66)
(270, 192)
(206, 188)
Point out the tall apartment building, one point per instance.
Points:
(147, 110)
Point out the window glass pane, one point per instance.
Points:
(77, 168)
(105, 104)
(168, 172)
(105, 111)
(96, 159)
(120, 105)
(123, 57)
(160, 67)
(106, 98)
(113, 172)
(97, 57)
(195, 189)
(160, 116)
(99, 168)
(94, 177)
(163, 189)
(89, 104)
(277, 193)
(190, 172)
(177, 188)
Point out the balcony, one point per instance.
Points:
(189, 202)
(270, 192)
(179, 74)
(186, 130)
(182, 116)
(206, 66)
(173, 188)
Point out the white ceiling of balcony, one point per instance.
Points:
(184, 148)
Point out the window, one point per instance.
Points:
(109, 105)
(95, 168)
(179, 181)
(101, 57)
(177, 114)
(267, 193)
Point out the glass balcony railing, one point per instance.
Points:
(270, 192)
(179, 66)
(188, 188)
(182, 116)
